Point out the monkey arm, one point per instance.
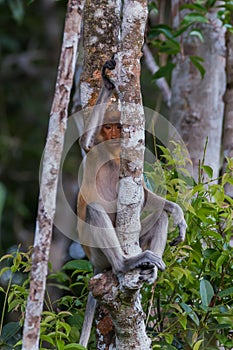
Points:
(96, 119)
(159, 204)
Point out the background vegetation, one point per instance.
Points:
(190, 307)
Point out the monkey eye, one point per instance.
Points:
(119, 126)
(107, 126)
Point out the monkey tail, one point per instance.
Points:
(88, 320)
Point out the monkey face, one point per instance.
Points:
(111, 131)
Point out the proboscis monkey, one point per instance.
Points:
(97, 205)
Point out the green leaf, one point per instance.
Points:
(194, 17)
(60, 344)
(226, 292)
(152, 7)
(48, 339)
(170, 47)
(190, 313)
(164, 71)
(223, 257)
(197, 33)
(17, 9)
(208, 170)
(183, 321)
(81, 265)
(5, 269)
(74, 346)
(9, 330)
(169, 338)
(206, 292)
(196, 7)
(196, 62)
(162, 29)
(198, 344)
(210, 3)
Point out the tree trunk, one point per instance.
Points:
(100, 42)
(228, 120)
(131, 172)
(50, 175)
(121, 298)
(197, 104)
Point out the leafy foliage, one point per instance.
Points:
(169, 41)
(191, 304)
(62, 321)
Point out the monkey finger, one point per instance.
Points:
(146, 265)
(176, 241)
(148, 276)
(160, 264)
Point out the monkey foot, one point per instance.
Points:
(154, 259)
(149, 276)
(147, 265)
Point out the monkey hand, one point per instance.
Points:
(179, 221)
(153, 260)
(145, 261)
(149, 276)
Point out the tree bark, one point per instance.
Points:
(228, 120)
(50, 175)
(197, 104)
(130, 194)
(100, 42)
(120, 297)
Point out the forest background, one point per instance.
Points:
(200, 99)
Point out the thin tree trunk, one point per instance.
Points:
(228, 120)
(130, 185)
(50, 175)
(197, 104)
(121, 298)
(100, 42)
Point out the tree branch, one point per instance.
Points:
(50, 174)
(153, 67)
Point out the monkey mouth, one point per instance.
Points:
(114, 142)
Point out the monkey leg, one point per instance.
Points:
(156, 203)
(154, 233)
(153, 237)
(100, 240)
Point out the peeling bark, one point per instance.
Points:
(123, 301)
(197, 104)
(101, 35)
(50, 174)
